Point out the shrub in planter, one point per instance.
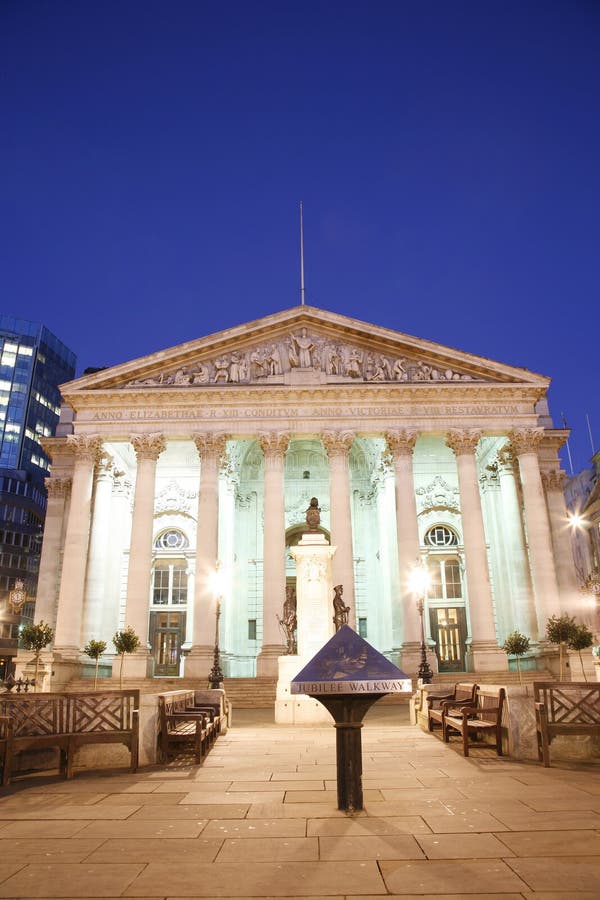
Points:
(581, 639)
(36, 637)
(125, 641)
(95, 649)
(516, 644)
(560, 630)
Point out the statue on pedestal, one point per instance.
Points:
(340, 610)
(289, 621)
(313, 515)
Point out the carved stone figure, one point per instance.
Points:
(305, 347)
(353, 367)
(221, 369)
(201, 374)
(313, 515)
(274, 360)
(399, 370)
(340, 610)
(333, 360)
(289, 621)
(234, 369)
(257, 364)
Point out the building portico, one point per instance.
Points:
(203, 459)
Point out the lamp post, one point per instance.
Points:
(420, 580)
(215, 676)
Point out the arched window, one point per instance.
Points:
(441, 536)
(169, 572)
(173, 539)
(445, 567)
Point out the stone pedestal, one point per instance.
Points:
(314, 611)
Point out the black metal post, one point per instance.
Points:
(424, 672)
(215, 676)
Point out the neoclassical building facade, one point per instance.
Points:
(181, 480)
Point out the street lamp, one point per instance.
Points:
(420, 580)
(215, 676)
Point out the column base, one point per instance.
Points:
(487, 656)
(267, 661)
(198, 663)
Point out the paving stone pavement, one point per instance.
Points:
(259, 819)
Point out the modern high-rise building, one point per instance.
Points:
(33, 362)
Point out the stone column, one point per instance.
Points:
(98, 557)
(274, 445)
(545, 585)
(401, 445)
(570, 594)
(515, 547)
(50, 559)
(484, 644)
(67, 640)
(148, 448)
(211, 447)
(338, 445)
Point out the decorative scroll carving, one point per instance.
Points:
(506, 459)
(58, 487)
(148, 446)
(304, 351)
(526, 440)
(553, 480)
(401, 443)
(173, 498)
(461, 442)
(274, 443)
(210, 444)
(86, 447)
(337, 443)
(437, 495)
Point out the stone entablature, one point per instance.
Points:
(303, 351)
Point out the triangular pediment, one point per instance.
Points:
(302, 345)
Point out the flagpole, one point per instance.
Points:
(564, 424)
(301, 258)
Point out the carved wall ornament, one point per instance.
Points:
(526, 440)
(337, 443)
(274, 443)
(461, 442)
(553, 480)
(305, 351)
(148, 446)
(85, 447)
(58, 487)
(438, 495)
(174, 499)
(401, 443)
(211, 444)
(506, 458)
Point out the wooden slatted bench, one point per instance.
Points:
(462, 695)
(67, 721)
(6, 745)
(564, 708)
(184, 727)
(484, 715)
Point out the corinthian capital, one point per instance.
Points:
(274, 443)
(526, 440)
(85, 446)
(461, 442)
(553, 480)
(401, 443)
(210, 444)
(148, 446)
(337, 443)
(57, 487)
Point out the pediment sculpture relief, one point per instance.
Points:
(303, 351)
(438, 494)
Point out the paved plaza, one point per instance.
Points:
(259, 819)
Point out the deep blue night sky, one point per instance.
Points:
(153, 154)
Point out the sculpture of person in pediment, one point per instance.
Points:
(333, 360)
(234, 368)
(353, 367)
(258, 363)
(200, 374)
(305, 347)
(399, 370)
(221, 369)
(274, 361)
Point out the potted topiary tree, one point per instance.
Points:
(559, 630)
(95, 649)
(516, 644)
(36, 637)
(581, 639)
(125, 641)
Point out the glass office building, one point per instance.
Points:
(33, 363)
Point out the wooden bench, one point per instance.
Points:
(67, 721)
(462, 695)
(484, 715)
(6, 745)
(566, 707)
(185, 726)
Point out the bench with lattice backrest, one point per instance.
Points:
(564, 708)
(484, 716)
(67, 721)
(462, 695)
